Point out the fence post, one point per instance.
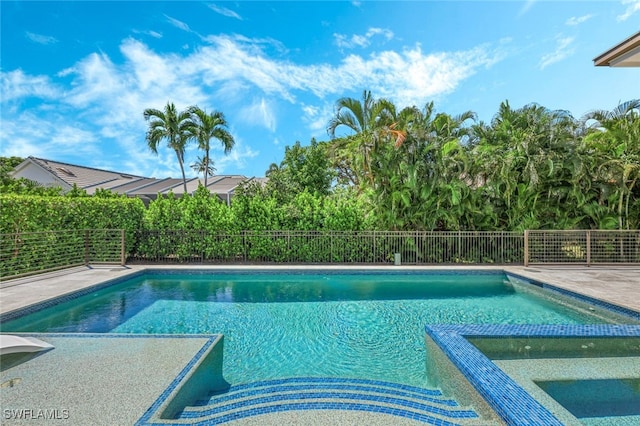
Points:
(588, 248)
(375, 253)
(244, 246)
(526, 248)
(330, 246)
(122, 248)
(86, 247)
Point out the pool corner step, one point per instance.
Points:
(295, 394)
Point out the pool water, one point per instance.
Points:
(593, 399)
(305, 324)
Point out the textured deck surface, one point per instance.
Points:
(92, 380)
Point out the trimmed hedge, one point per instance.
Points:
(23, 214)
(27, 213)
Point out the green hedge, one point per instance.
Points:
(26, 213)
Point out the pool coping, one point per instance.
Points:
(622, 310)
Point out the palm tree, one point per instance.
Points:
(172, 126)
(372, 121)
(614, 138)
(204, 166)
(207, 127)
(530, 165)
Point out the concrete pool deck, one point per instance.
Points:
(124, 379)
(120, 395)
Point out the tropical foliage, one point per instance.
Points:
(385, 168)
(304, 168)
(529, 168)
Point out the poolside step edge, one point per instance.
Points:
(348, 401)
(329, 404)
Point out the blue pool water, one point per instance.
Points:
(321, 324)
(597, 399)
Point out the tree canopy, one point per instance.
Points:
(416, 169)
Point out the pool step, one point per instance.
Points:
(272, 396)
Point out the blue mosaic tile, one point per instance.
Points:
(507, 398)
(327, 395)
(318, 406)
(11, 315)
(331, 380)
(382, 271)
(176, 381)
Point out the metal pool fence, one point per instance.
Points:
(586, 247)
(328, 247)
(34, 252)
(29, 253)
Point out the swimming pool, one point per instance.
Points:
(311, 324)
(487, 303)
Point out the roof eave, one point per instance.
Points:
(611, 56)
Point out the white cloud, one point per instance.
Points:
(153, 34)
(73, 139)
(96, 78)
(563, 50)
(384, 71)
(178, 24)
(29, 133)
(149, 69)
(41, 39)
(528, 4)
(577, 20)
(633, 6)
(388, 34)
(357, 40)
(255, 45)
(106, 99)
(317, 117)
(411, 77)
(225, 12)
(17, 85)
(239, 158)
(260, 113)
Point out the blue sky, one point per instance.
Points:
(77, 76)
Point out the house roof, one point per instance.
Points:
(55, 173)
(69, 174)
(624, 54)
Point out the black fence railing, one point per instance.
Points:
(585, 247)
(34, 252)
(28, 253)
(413, 248)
